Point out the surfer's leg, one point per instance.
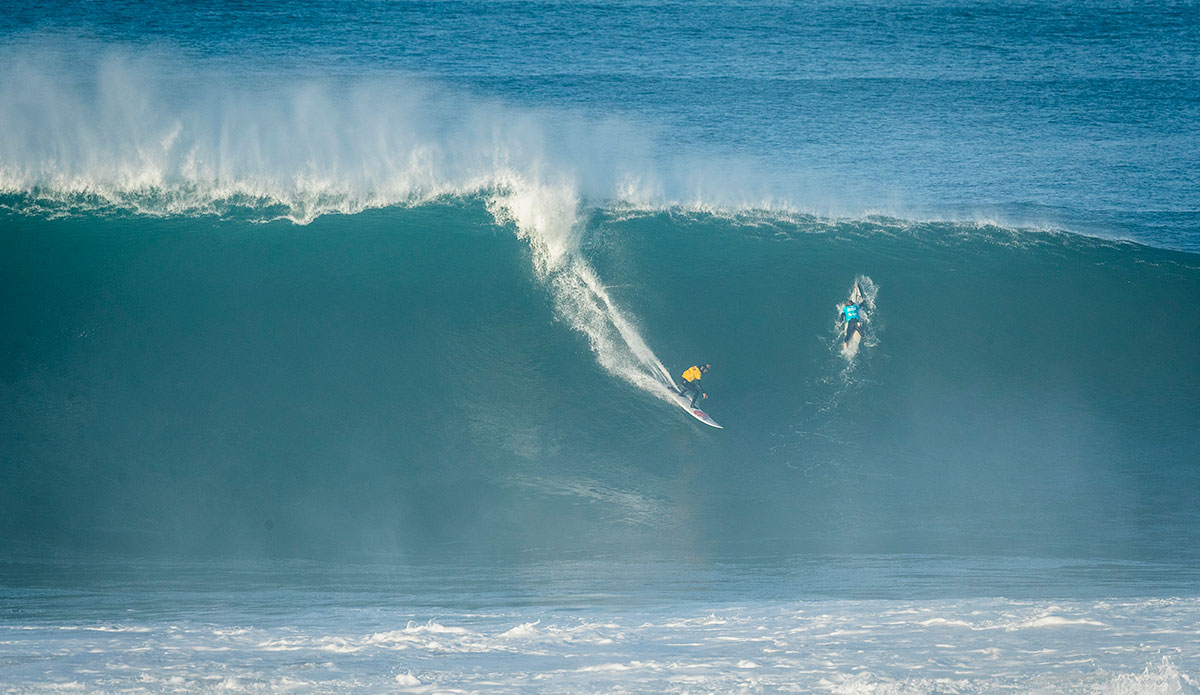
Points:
(691, 388)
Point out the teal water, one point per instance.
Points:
(402, 380)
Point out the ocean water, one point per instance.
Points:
(335, 343)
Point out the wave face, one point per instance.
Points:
(412, 378)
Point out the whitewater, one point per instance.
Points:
(336, 343)
(964, 646)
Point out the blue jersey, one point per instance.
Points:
(851, 312)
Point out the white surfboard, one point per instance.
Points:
(686, 403)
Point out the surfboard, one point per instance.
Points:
(686, 403)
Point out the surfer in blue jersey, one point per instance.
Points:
(690, 382)
(850, 314)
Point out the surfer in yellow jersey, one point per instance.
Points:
(691, 382)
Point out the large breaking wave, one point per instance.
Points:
(188, 367)
(101, 129)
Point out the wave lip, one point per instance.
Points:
(94, 126)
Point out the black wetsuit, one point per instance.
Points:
(692, 387)
(851, 326)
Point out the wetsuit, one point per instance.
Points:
(850, 313)
(690, 383)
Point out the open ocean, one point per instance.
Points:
(332, 338)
